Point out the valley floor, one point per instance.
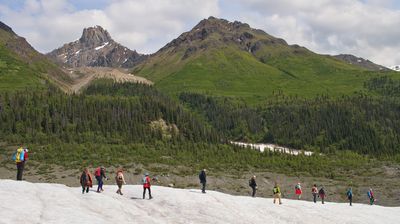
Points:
(24, 202)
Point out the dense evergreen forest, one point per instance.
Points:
(368, 125)
(105, 113)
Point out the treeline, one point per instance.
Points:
(106, 113)
(359, 123)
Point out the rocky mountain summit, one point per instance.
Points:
(95, 48)
(361, 62)
(213, 33)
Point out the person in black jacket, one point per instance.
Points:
(253, 185)
(203, 180)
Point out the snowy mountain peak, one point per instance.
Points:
(395, 68)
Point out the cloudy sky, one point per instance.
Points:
(366, 28)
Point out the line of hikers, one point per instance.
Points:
(321, 193)
(86, 181)
(21, 156)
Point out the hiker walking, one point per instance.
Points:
(119, 178)
(298, 191)
(100, 173)
(86, 181)
(253, 185)
(20, 157)
(371, 196)
(322, 194)
(314, 192)
(350, 196)
(203, 180)
(146, 185)
(277, 193)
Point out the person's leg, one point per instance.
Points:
(322, 198)
(351, 201)
(274, 198)
(98, 184)
(315, 198)
(87, 189)
(254, 192)
(20, 170)
(279, 197)
(150, 197)
(203, 188)
(100, 188)
(144, 193)
(83, 189)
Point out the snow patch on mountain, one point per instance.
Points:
(23, 202)
(102, 46)
(395, 68)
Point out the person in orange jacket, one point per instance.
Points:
(86, 180)
(146, 185)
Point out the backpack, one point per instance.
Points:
(119, 176)
(349, 193)
(97, 173)
(19, 156)
(144, 180)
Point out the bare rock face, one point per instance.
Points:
(95, 48)
(361, 62)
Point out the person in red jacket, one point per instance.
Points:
(146, 185)
(86, 180)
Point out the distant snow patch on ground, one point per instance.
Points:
(273, 148)
(23, 202)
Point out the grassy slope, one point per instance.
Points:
(14, 73)
(233, 73)
(27, 69)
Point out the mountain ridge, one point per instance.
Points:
(24, 67)
(361, 62)
(224, 58)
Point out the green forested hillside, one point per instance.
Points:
(111, 124)
(368, 125)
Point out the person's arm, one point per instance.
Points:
(123, 179)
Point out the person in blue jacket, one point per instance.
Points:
(350, 196)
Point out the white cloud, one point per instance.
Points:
(138, 24)
(367, 28)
